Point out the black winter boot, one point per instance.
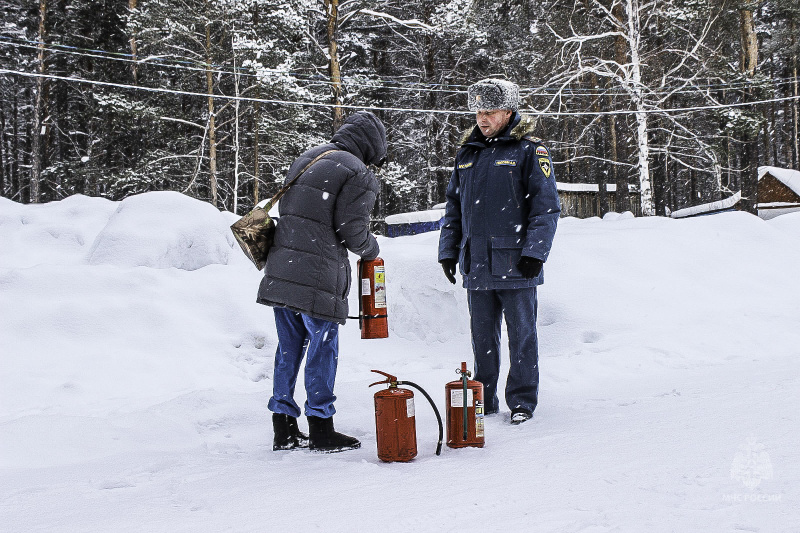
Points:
(287, 434)
(323, 438)
(520, 415)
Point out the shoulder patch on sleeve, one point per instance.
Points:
(544, 164)
(542, 151)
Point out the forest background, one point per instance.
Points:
(678, 101)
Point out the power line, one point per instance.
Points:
(217, 69)
(379, 83)
(224, 97)
(395, 109)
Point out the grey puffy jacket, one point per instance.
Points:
(323, 215)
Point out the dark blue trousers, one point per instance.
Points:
(318, 340)
(486, 309)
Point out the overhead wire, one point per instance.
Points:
(217, 69)
(382, 83)
(393, 109)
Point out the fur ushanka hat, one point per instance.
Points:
(493, 93)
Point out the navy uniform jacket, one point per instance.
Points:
(502, 203)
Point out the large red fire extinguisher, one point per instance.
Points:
(395, 427)
(464, 411)
(372, 317)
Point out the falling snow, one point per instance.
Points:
(136, 394)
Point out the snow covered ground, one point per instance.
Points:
(135, 368)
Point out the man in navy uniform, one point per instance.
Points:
(500, 220)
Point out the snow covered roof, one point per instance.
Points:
(584, 187)
(712, 207)
(431, 215)
(787, 176)
(768, 205)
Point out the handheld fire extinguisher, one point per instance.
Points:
(465, 411)
(372, 317)
(394, 420)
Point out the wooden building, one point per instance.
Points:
(582, 200)
(778, 191)
(416, 222)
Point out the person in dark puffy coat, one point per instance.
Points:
(500, 220)
(324, 214)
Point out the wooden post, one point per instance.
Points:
(332, 7)
(134, 66)
(37, 135)
(212, 131)
(256, 126)
(749, 41)
(748, 63)
(256, 119)
(796, 101)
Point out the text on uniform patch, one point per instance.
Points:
(505, 163)
(464, 165)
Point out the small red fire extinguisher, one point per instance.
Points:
(464, 411)
(395, 428)
(372, 317)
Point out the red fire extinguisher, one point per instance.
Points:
(395, 428)
(464, 411)
(372, 317)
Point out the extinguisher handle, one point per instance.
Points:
(435, 410)
(390, 379)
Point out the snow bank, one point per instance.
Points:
(431, 215)
(416, 287)
(135, 384)
(164, 230)
(52, 233)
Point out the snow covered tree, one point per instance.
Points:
(216, 98)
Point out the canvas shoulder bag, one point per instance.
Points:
(255, 232)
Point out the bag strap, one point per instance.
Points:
(285, 188)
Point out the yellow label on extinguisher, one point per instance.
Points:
(479, 419)
(380, 287)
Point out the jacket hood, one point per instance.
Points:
(364, 136)
(519, 126)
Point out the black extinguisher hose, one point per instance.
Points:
(435, 410)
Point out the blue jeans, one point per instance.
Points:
(299, 334)
(486, 309)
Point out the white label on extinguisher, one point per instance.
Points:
(457, 397)
(410, 407)
(380, 287)
(479, 419)
(366, 287)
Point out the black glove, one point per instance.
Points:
(529, 266)
(449, 267)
